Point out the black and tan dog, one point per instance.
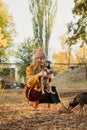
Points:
(46, 80)
(79, 99)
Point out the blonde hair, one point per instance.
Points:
(37, 67)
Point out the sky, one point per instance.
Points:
(23, 21)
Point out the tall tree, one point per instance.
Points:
(78, 29)
(81, 55)
(50, 13)
(6, 22)
(25, 53)
(7, 29)
(66, 47)
(3, 41)
(43, 15)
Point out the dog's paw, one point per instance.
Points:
(43, 92)
(69, 111)
(52, 92)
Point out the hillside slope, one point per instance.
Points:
(72, 79)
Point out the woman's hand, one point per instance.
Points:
(42, 74)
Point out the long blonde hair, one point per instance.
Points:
(37, 67)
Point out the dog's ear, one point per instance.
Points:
(70, 103)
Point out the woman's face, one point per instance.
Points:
(41, 60)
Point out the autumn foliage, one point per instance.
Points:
(61, 61)
(3, 41)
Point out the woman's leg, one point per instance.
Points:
(54, 97)
(35, 95)
(51, 98)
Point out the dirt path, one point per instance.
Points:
(16, 114)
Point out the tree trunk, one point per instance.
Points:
(86, 69)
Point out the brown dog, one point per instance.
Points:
(79, 99)
(46, 80)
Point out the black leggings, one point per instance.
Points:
(51, 98)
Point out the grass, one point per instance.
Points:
(73, 79)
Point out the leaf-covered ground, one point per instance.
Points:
(16, 114)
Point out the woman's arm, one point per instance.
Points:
(31, 79)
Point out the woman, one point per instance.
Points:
(33, 88)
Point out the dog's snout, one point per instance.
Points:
(70, 108)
